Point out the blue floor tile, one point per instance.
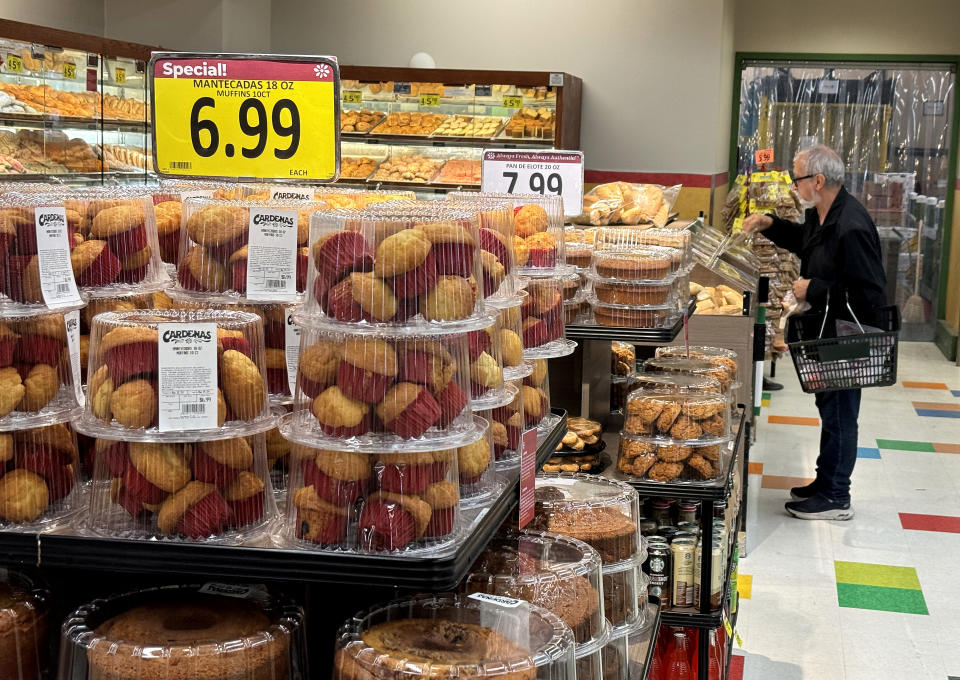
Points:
(867, 452)
(931, 413)
(955, 393)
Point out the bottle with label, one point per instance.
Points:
(678, 665)
(683, 553)
(687, 511)
(657, 567)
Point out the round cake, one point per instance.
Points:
(23, 633)
(202, 637)
(606, 529)
(627, 317)
(631, 293)
(632, 266)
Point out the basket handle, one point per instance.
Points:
(826, 312)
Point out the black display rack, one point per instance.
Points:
(663, 336)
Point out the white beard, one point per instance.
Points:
(806, 205)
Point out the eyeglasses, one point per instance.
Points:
(797, 180)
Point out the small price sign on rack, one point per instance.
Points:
(246, 116)
(429, 100)
(512, 102)
(763, 156)
(70, 70)
(536, 172)
(119, 75)
(352, 97)
(14, 63)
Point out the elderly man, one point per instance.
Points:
(840, 261)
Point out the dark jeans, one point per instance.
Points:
(838, 442)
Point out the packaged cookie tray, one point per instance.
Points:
(175, 375)
(107, 241)
(690, 418)
(662, 460)
(39, 369)
(691, 366)
(238, 630)
(39, 486)
(673, 383)
(647, 263)
(387, 502)
(576, 461)
(209, 491)
(542, 319)
(26, 609)
(487, 640)
(722, 357)
(555, 572)
(397, 265)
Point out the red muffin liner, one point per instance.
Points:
(453, 259)
(103, 271)
(468, 481)
(555, 329)
(407, 308)
(452, 401)
(477, 390)
(49, 464)
(309, 387)
(441, 522)
(115, 458)
(130, 502)
(554, 314)
(385, 526)
(362, 385)
(129, 242)
(206, 469)
(418, 416)
(490, 286)
(502, 413)
(417, 281)
(341, 305)
(334, 529)
(403, 478)
(208, 517)
(493, 243)
(498, 450)
(303, 262)
(543, 257)
(277, 382)
(225, 250)
(535, 334)
(246, 510)
(341, 253)
(134, 275)
(275, 334)
(39, 349)
(7, 347)
(141, 488)
(187, 280)
(25, 241)
(340, 492)
(170, 246)
(129, 359)
(241, 345)
(478, 342)
(438, 471)
(514, 435)
(416, 367)
(86, 447)
(346, 432)
(239, 272)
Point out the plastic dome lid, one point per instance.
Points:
(23, 611)
(671, 383)
(451, 636)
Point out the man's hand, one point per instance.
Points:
(800, 289)
(756, 222)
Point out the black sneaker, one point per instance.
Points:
(770, 386)
(819, 507)
(802, 493)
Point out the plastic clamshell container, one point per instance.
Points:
(506, 430)
(648, 263)
(39, 376)
(487, 385)
(215, 256)
(675, 383)
(471, 636)
(629, 293)
(374, 388)
(601, 512)
(542, 321)
(624, 655)
(627, 238)
(555, 572)
(39, 488)
(395, 265)
(476, 469)
(726, 358)
(213, 630)
(659, 459)
(691, 366)
(495, 224)
(535, 396)
(511, 336)
(123, 389)
(215, 491)
(388, 502)
(630, 316)
(688, 419)
(624, 584)
(25, 619)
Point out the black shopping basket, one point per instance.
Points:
(867, 359)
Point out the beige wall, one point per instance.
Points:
(176, 24)
(80, 16)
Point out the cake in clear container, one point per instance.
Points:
(542, 320)
(633, 316)
(24, 626)
(647, 263)
(212, 490)
(386, 502)
(630, 293)
(555, 572)
(600, 512)
(613, 238)
(40, 472)
(623, 585)
(213, 630)
(625, 653)
(450, 636)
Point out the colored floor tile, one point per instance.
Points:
(785, 483)
(793, 420)
(903, 445)
(744, 585)
(878, 598)
(755, 468)
(915, 522)
(936, 406)
(912, 384)
(955, 393)
(930, 413)
(765, 395)
(864, 574)
(946, 448)
(765, 403)
(867, 452)
(736, 667)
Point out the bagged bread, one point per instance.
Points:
(626, 203)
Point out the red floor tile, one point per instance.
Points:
(755, 468)
(942, 523)
(946, 448)
(793, 420)
(936, 406)
(736, 667)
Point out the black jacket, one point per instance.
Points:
(842, 255)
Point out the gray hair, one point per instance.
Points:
(822, 160)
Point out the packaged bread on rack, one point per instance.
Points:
(558, 573)
(542, 324)
(214, 630)
(39, 486)
(626, 203)
(208, 490)
(40, 377)
(470, 636)
(25, 621)
(177, 374)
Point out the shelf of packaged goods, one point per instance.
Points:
(442, 141)
(431, 573)
(406, 186)
(660, 336)
(48, 121)
(65, 177)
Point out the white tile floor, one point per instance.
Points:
(793, 626)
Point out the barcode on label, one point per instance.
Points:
(274, 283)
(193, 408)
(63, 288)
(181, 165)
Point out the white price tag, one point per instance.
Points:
(57, 285)
(498, 600)
(272, 255)
(187, 354)
(199, 193)
(291, 194)
(292, 346)
(72, 321)
(226, 590)
(558, 173)
(829, 86)
(556, 80)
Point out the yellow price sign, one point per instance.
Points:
(264, 117)
(70, 70)
(352, 97)
(429, 100)
(120, 75)
(513, 102)
(14, 63)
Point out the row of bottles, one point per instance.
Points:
(676, 657)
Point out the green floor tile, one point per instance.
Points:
(900, 445)
(766, 395)
(861, 573)
(899, 600)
